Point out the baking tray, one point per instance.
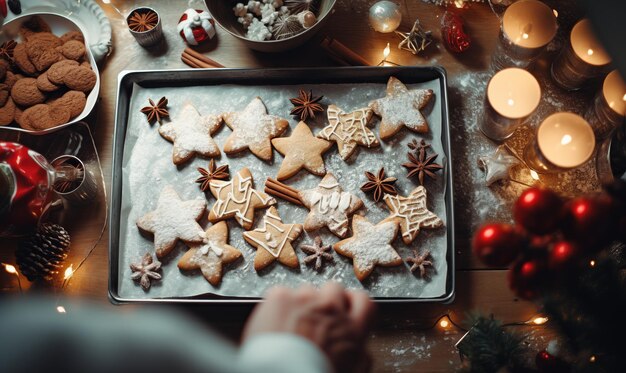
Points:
(269, 77)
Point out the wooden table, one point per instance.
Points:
(399, 342)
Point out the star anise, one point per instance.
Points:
(6, 50)
(419, 261)
(415, 146)
(379, 184)
(156, 111)
(305, 105)
(143, 21)
(212, 173)
(421, 165)
(317, 253)
(145, 271)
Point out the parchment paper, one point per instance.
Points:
(148, 167)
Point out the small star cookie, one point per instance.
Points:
(497, 165)
(237, 199)
(411, 213)
(369, 246)
(253, 129)
(211, 255)
(348, 130)
(191, 133)
(172, 220)
(301, 150)
(329, 206)
(273, 241)
(401, 107)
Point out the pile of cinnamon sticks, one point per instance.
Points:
(283, 191)
(194, 59)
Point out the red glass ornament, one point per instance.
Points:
(453, 34)
(591, 221)
(528, 277)
(549, 363)
(563, 256)
(538, 210)
(498, 244)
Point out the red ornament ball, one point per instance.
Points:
(549, 363)
(591, 221)
(498, 244)
(528, 277)
(453, 34)
(564, 255)
(538, 210)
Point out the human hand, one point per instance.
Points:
(334, 319)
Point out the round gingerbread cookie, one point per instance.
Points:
(80, 78)
(4, 68)
(26, 93)
(42, 116)
(41, 53)
(20, 57)
(18, 116)
(51, 40)
(73, 50)
(10, 79)
(74, 101)
(56, 72)
(45, 85)
(7, 112)
(4, 94)
(72, 35)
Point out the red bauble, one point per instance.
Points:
(549, 363)
(498, 244)
(564, 255)
(591, 221)
(528, 277)
(538, 210)
(452, 33)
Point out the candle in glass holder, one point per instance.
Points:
(582, 59)
(528, 26)
(564, 141)
(512, 95)
(609, 107)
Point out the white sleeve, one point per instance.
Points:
(282, 352)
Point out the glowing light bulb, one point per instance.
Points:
(534, 175)
(10, 268)
(61, 309)
(592, 263)
(444, 323)
(540, 320)
(592, 359)
(589, 52)
(69, 272)
(566, 139)
(556, 14)
(386, 52)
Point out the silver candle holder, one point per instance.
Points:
(74, 181)
(609, 106)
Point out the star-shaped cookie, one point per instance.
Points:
(237, 199)
(401, 107)
(191, 133)
(211, 255)
(329, 206)
(172, 220)
(273, 241)
(301, 150)
(348, 130)
(369, 246)
(253, 129)
(497, 165)
(411, 213)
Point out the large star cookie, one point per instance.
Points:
(273, 241)
(401, 107)
(411, 213)
(211, 255)
(369, 246)
(253, 129)
(348, 130)
(301, 150)
(191, 133)
(172, 220)
(330, 206)
(237, 199)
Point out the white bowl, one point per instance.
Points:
(59, 25)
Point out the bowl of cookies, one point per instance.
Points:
(271, 25)
(48, 77)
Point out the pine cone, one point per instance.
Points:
(41, 255)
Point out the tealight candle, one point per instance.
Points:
(528, 26)
(512, 95)
(609, 106)
(564, 141)
(582, 59)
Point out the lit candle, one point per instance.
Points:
(512, 95)
(527, 28)
(582, 59)
(609, 106)
(564, 141)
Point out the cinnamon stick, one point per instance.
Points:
(188, 62)
(345, 53)
(202, 57)
(282, 187)
(198, 62)
(276, 193)
(280, 190)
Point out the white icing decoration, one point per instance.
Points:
(272, 246)
(244, 187)
(413, 211)
(348, 129)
